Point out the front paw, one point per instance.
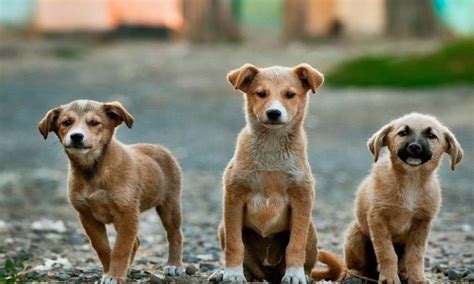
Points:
(234, 274)
(418, 280)
(107, 279)
(294, 275)
(173, 271)
(389, 278)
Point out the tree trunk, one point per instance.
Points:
(410, 18)
(210, 20)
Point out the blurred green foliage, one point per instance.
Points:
(450, 64)
(10, 273)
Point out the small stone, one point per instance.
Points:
(454, 274)
(469, 277)
(156, 279)
(206, 257)
(439, 268)
(191, 269)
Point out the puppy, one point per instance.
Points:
(266, 232)
(397, 202)
(112, 183)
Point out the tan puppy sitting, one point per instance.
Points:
(397, 202)
(111, 183)
(266, 232)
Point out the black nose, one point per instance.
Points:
(273, 114)
(77, 137)
(414, 148)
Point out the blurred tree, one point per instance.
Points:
(295, 18)
(211, 20)
(410, 18)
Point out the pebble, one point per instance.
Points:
(46, 225)
(454, 274)
(191, 269)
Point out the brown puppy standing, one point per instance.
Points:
(112, 183)
(266, 231)
(397, 202)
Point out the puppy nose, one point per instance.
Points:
(77, 137)
(414, 148)
(273, 114)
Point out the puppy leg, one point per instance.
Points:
(311, 249)
(127, 233)
(355, 250)
(300, 219)
(234, 246)
(136, 245)
(97, 233)
(384, 251)
(415, 251)
(170, 215)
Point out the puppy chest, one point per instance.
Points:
(267, 214)
(99, 204)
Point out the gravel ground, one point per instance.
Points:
(180, 99)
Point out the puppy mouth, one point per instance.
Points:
(78, 148)
(273, 124)
(414, 161)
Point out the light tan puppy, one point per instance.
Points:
(397, 202)
(266, 232)
(111, 183)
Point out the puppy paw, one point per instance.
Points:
(173, 271)
(391, 278)
(294, 275)
(106, 279)
(421, 280)
(234, 274)
(216, 276)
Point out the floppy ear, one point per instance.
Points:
(311, 78)
(118, 114)
(378, 141)
(453, 148)
(241, 78)
(49, 122)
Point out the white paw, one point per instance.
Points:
(171, 270)
(234, 274)
(108, 280)
(294, 275)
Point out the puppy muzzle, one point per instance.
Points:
(415, 153)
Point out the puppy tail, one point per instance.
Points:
(334, 270)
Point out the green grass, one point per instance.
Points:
(451, 64)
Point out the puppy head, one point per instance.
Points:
(84, 126)
(275, 96)
(416, 140)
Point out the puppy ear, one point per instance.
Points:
(49, 122)
(453, 148)
(378, 141)
(242, 77)
(311, 78)
(118, 114)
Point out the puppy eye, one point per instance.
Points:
(94, 122)
(66, 123)
(261, 94)
(290, 95)
(431, 136)
(403, 133)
